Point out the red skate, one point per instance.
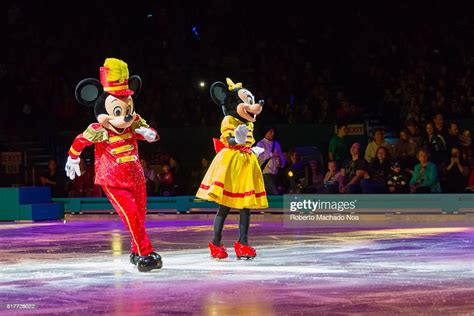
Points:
(218, 252)
(244, 251)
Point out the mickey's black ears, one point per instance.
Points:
(135, 84)
(88, 90)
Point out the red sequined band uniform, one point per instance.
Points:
(119, 172)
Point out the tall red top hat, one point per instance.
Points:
(114, 77)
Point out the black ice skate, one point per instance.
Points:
(150, 262)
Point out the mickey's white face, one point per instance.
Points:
(120, 113)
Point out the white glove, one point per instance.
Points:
(257, 150)
(147, 133)
(241, 134)
(72, 168)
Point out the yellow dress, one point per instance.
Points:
(234, 178)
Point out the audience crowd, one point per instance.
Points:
(325, 66)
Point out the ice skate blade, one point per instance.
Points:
(159, 265)
(245, 258)
(148, 269)
(144, 268)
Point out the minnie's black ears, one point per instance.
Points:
(219, 93)
(88, 90)
(135, 84)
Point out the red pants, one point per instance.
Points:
(130, 204)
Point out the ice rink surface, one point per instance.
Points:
(81, 267)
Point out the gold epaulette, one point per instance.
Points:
(95, 135)
(139, 123)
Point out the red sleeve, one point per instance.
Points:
(78, 146)
(80, 142)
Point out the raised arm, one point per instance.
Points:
(144, 131)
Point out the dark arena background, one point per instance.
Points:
(368, 114)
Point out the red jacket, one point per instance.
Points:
(116, 155)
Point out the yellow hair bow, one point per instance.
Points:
(233, 85)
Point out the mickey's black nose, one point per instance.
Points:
(128, 118)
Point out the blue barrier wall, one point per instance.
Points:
(372, 203)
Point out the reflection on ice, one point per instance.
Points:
(83, 267)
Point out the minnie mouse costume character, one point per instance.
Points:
(117, 165)
(234, 178)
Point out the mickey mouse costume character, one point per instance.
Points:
(117, 165)
(234, 178)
